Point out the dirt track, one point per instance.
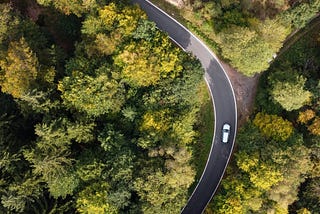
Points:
(245, 89)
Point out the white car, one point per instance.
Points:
(225, 133)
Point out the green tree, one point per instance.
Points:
(166, 192)
(315, 157)
(93, 95)
(183, 127)
(289, 92)
(299, 16)
(145, 30)
(21, 194)
(74, 6)
(63, 184)
(37, 101)
(14, 26)
(309, 196)
(90, 165)
(273, 32)
(8, 24)
(50, 158)
(239, 196)
(245, 49)
(295, 164)
(107, 30)
(181, 91)
(119, 167)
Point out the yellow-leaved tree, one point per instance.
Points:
(143, 65)
(273, 126)
(19, 69)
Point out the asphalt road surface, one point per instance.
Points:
(223, 101)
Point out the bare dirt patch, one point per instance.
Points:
(245, 89)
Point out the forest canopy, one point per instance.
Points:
(95, 118)
(99, 109)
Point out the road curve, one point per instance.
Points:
(224, 102)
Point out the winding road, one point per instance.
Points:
(224, 102)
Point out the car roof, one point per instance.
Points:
(226, 126)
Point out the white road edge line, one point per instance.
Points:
(236, 113)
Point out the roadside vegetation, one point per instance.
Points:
(275, 168)
(98, 110)
(205, 128)
(245, 34)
